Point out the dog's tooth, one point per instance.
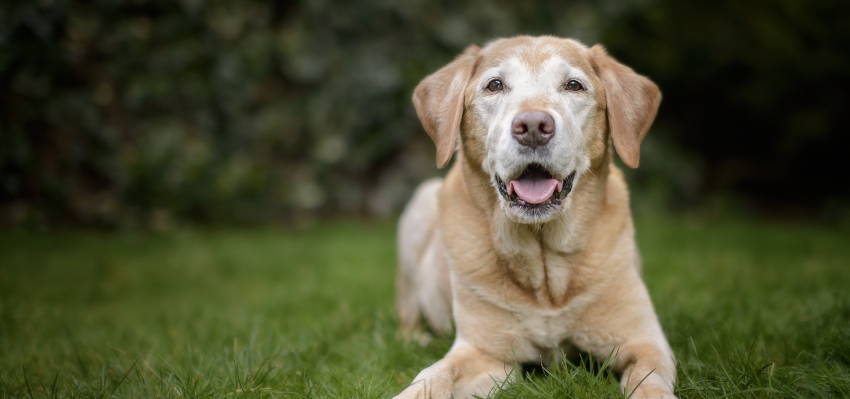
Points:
(560, 186)
(510, 189)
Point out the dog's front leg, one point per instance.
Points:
(626, 327)
(463, 373)
(646, 365)
(648, 369)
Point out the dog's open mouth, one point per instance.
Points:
(535, 187)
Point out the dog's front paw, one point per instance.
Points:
(429, 388)
(650, 392)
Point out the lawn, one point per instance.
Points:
(751, 309)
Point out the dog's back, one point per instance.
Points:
(422, 283)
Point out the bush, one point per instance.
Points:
(151, 112)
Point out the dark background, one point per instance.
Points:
(156, 113)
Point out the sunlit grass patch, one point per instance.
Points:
(751, 310)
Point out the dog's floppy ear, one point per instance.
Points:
(438, 100)
(632, 102)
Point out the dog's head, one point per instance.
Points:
(535, 114)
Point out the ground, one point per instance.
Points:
(751, 309)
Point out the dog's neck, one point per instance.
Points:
(538, 256)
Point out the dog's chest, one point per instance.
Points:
(547, 328)
(544, 331)
(546, 319)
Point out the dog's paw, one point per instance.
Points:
(426, 389)
(419, 336)
(649, 392)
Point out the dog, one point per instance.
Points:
(526, 248)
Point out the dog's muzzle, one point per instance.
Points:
(535, 187)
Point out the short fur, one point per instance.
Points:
(524, 287)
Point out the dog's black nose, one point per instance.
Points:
(533, 128)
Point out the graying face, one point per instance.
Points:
(538, 114)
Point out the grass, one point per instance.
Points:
(751, 310)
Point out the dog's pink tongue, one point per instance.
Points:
(534, 190)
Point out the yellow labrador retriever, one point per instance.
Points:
(527, 245)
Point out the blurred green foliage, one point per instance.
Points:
(151, 112)
(756, 96)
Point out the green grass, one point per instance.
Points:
(751, 310)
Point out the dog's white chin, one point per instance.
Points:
(522, 215)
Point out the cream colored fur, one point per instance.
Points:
(521, 288)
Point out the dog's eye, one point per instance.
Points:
(495, 85)
(573, 85)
